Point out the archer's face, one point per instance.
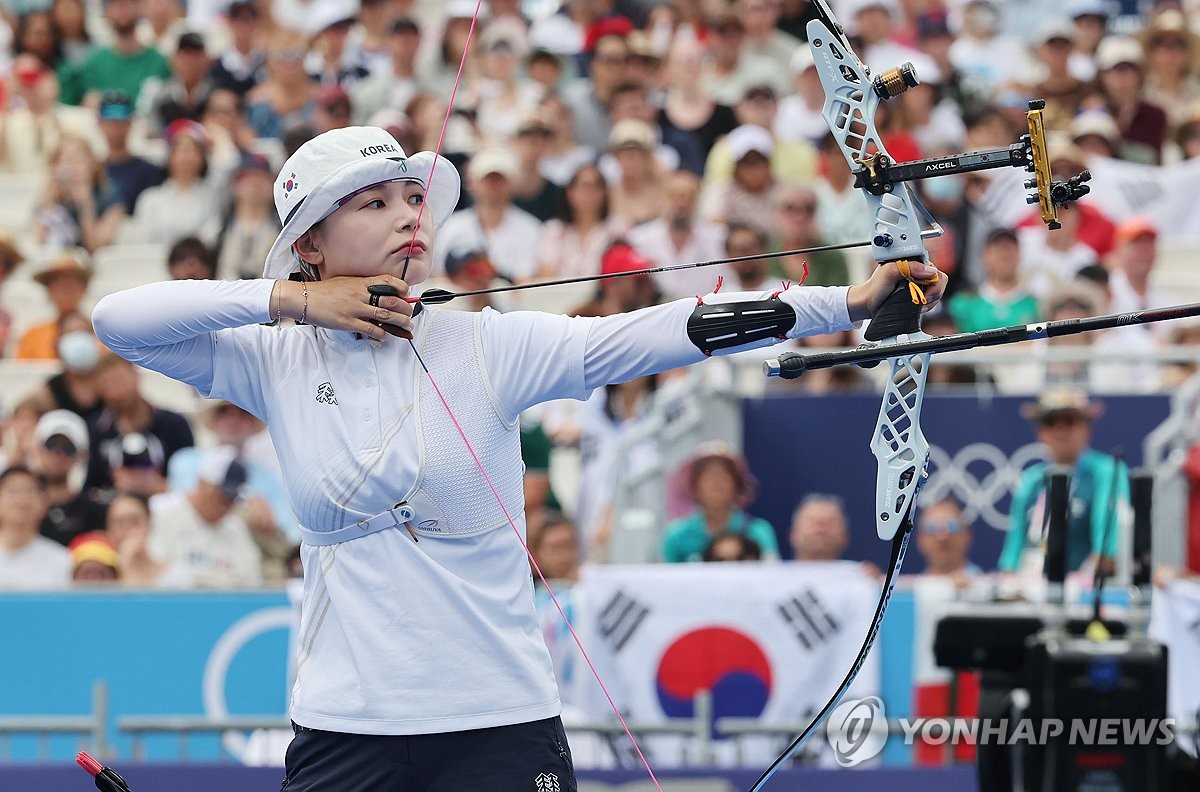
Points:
(372, 234)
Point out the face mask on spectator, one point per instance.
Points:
(945, 188)
(79, 351)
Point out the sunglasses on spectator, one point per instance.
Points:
(801, 208)
(1062, 419)
(941, 526)
(60, 445)
(1169, 42)
(290, 55)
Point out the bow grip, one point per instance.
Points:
(898, 315)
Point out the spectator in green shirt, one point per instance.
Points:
(796, 222)
(1099, 489)
(1001, 300)
(717, 480)
(126, 63)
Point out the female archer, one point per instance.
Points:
(421, 663)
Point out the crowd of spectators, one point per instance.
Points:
(597, 137)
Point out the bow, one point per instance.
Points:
(852, 97)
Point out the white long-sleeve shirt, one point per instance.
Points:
(400, 636)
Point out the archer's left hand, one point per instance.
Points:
(865, 298)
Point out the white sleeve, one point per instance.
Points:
(534, 357)
(172, 326)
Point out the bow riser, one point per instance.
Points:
(850, 107)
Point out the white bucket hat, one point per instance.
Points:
(340, 162)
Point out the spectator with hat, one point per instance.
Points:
(65, 279)
(588, 98)
(59, 458)
(242, 65)
(623, 294)
(94, 559)
(1172, 55)
(126, 63)
(563, 154)
(509, 234)
(182, 94)
(79, 206)
(1075, 298)
(572, 243)
(131, 432)
(1142, 125)
(368, 43)
(33, 123)
(751, 195)
(636, 195)
(395, 82)
(875, 24)
(1090, 19)
(250, 226)
(801, 112)
(1131, 278)
(932, 121)
(469, 268)
(1099, 492)
(791, 160)
(334, 109)
(133, 175)
(532, 191)
(501, 95)
(1055, 81)
(330, 60)
(673, 148)
(201, 530)
(188, 202)
(28, 560)
(935, 39)
(716, 479)
(987, 57)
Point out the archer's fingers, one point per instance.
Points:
(396, 283)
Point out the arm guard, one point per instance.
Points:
(735, 324)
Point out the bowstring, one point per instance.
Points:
(471, 449)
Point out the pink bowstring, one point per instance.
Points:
(471, 449)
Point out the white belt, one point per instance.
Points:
(395, 517)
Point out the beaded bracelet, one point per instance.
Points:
(304, 311)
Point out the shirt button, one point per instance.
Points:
(368, 416)
(369, 382)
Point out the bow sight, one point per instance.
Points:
(879, 174)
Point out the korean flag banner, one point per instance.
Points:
(769, 641)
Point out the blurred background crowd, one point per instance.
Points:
(139, 141)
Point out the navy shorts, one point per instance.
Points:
(526, 757)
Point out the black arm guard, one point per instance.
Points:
(725, 325)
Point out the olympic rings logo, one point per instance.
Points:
(979, 476)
